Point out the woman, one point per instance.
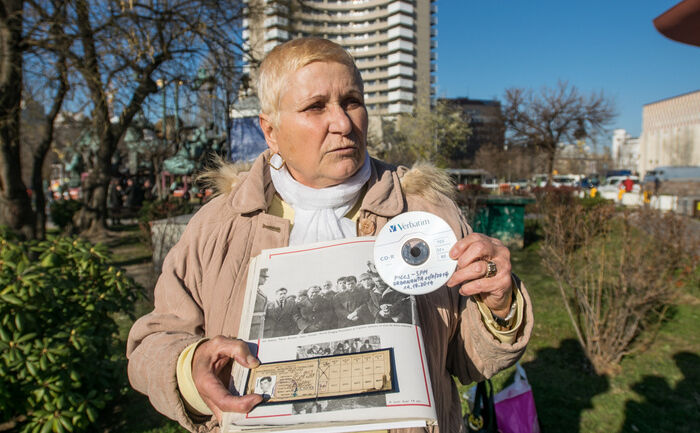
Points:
(315, 183)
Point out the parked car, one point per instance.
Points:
(589, 181)
(492, 184)
(566, 180)
(539, 180)
(520, 184)
(614, 184)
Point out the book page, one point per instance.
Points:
(322, 300)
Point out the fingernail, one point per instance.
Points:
(252, 361)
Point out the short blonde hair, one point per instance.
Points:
(291, 56)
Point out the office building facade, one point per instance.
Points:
(392, 41)
(670, 132)
(486, 122)
(625, 150)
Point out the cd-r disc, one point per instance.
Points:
(411, 253)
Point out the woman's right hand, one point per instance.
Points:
(211, 372)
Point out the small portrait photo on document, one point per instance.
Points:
(265, 385)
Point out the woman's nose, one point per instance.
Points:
(339, 121)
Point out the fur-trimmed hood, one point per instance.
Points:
(423, 179)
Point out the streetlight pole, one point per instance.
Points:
(162, 84)
(178, 83)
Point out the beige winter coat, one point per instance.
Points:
(201, 290)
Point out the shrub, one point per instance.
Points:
(532, 231)
(617, 274)
(590, 202)
(552, 195)
(62, 212)
(466, 199)
(60, 362)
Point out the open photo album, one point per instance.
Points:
(340, 351)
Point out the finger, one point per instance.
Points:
(468, 276)
(217, 396)
(460, 246)
(468, 273)
(239, 404)
(476, 250)
(473, 263)
(237, 349)
(494, 286)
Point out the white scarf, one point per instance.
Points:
(319, 214)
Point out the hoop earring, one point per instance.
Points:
(279, 167)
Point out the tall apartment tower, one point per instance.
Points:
(392, 41)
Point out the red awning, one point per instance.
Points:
(681, 23)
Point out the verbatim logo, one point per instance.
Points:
(409, 225)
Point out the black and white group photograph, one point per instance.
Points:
(339, 347)
(325, 299)
(342, 403)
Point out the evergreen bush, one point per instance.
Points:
(62, 212)
(60, 359)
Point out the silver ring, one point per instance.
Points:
(491, 269)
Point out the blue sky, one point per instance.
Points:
(486, 46)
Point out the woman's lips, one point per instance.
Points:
(345, 149)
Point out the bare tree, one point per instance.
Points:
(21, 30)
(120, 48)
(544, 120)
(509, 163)
(15, 206)
(54, 77)
(424, 135)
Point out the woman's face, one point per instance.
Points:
(322, 127)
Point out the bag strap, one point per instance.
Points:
(482, 418)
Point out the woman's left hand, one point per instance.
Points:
(472, 254)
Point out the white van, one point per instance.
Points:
(679, 173)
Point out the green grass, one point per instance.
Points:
(657, 390)
(128, 246)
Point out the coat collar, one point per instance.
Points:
(384, 195)
(255, 192)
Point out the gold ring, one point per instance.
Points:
(491, 269)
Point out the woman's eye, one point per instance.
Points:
(353, 103)
(315, 106)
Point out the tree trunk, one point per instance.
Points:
(92, 218)
(15, 205)
(39, 156)
(551, 156)
(39, 197)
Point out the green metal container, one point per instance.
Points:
(502, 217)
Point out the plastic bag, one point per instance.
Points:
(515, 406)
